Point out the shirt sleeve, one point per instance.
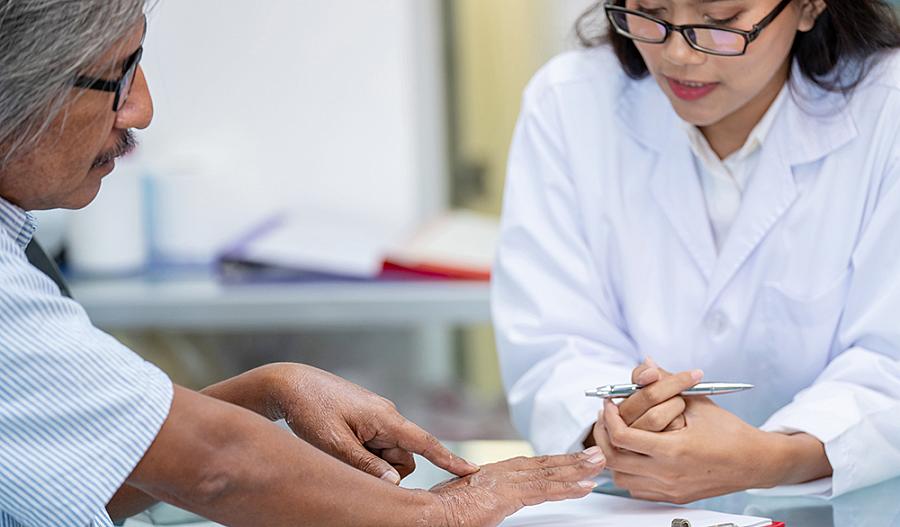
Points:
(78, 410)
(557, 324)
(854, 405)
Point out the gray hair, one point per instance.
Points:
(44, 45)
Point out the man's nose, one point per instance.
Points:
(138, 109)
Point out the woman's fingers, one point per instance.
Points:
(662, 416)
(657, 393)
(646, 373)
(677, 424)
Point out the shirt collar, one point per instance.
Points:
(19, 224)
(755, 140)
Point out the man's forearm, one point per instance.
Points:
(233, 466)
(128, 502)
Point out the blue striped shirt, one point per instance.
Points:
(78, 410)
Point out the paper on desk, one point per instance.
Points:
(600, 510)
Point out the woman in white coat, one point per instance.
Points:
(715, 185)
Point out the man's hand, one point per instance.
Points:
(716, 453)
(340, 418)
(498, 490)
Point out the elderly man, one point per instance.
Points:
(90, 432)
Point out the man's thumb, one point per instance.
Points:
(374, 465)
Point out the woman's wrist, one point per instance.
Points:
(794, 459)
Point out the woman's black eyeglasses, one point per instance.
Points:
(715, 40)
(121, 87)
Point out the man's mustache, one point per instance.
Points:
(126, 144)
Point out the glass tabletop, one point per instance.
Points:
(877, 506)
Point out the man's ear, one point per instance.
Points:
(811, 9)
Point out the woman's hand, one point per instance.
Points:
(658, 406)
(716, 453)
(498, 490)
(340, 418)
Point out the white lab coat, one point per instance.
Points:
(606, 256)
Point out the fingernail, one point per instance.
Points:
(650, 362)
(596, 459)
(697, 375)
(473, 466)
(587, 484)
(591, 451)
(391, 477)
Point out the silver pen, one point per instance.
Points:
(621, 391)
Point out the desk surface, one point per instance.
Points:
(877, 506)
(201, 302)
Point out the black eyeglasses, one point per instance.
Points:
(715, 40)
(121, 87)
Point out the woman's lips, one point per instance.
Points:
(691, 90)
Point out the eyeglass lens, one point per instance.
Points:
(125, 85)
(648, 30)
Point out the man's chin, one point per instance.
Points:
(83, 199)
(104, 169)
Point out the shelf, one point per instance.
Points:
(204, 303)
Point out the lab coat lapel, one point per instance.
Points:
(677, 190)
(770, 194)
(812, 124)
(648, 116)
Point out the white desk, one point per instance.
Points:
(203, 303)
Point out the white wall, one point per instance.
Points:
(563, 23)
(333, 104)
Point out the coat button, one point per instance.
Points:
(717, 323)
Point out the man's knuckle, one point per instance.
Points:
(549, 472)
(542, 460)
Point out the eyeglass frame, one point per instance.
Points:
(129, 71)
(749, 36)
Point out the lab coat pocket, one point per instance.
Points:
(802, 328)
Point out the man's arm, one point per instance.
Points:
(235, 467)
(128, 502)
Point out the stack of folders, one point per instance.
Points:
(303, 247)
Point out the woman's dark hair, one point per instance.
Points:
(848, 34)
